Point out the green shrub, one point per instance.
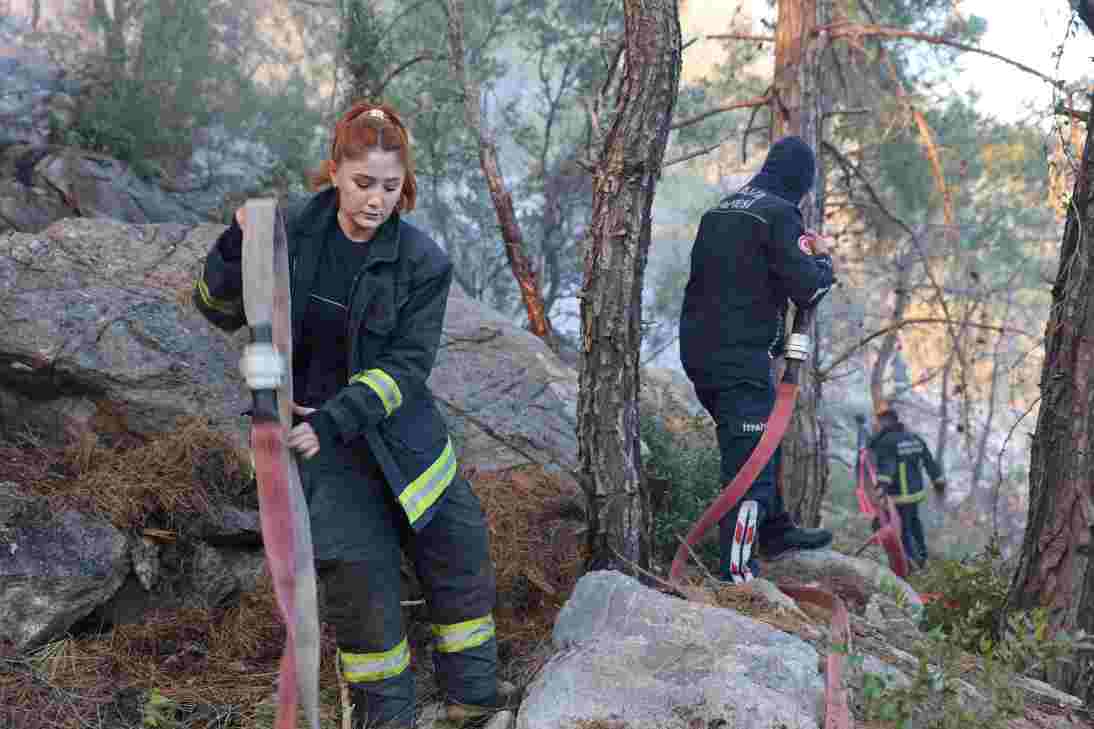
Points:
(963, 642)
(694, 477)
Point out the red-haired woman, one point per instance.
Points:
(368, 299)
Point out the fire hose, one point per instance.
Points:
(837, 703)
(286, 531)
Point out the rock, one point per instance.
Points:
(191, 575)
(55, 568)
(633, 655)
(508, 399)
(30, 80)
(231, 526)
(501, 720)
(97, 313)
(853, 579)
(145, 554)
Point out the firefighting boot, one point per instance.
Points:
(507, 698)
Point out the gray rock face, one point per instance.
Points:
(97, 313)
(54, 568)
(635, 656)
(508, 399)
(854, 579)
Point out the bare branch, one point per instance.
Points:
(736, 36)
(426, 56)
(850, 351)
(746, 104)
(848, 29)
(696, 153)
(852, 168)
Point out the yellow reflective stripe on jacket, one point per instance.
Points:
(910, 498)
(424, 491)
(883, 478)
(232, 308)
(383, 385)
(366, 667)
(902, 469)
(465, 635)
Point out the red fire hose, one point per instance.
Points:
(837, 704)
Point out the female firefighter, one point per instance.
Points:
(368, 294)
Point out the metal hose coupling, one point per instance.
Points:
(262, 366)
(798, 347)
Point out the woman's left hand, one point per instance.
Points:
(302, 438)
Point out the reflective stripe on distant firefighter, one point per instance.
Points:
(366, 667)
(424, 491)
(465, 635)
(231, 308)
(383, 385)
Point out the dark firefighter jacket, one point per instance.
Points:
(397, 306)
(899, 455)
(746, 262)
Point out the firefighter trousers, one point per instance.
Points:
(361, 593)
(740, 413)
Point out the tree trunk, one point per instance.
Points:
(988, 496)
(523, 270)
(1054, 566)
(888, 343)
(797, 107)
(611, 298)
(944, 414)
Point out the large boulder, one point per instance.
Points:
(855, 580)
(509, 400)
(41, 184)
(55, 568)
(633, 656)
(99, 333)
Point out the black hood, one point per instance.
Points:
(788, 170)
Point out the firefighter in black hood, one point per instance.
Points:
(751, 255)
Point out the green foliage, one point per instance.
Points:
(962, 649)
(158, 711)
(694, 477)
(974, 593)
(154, 96)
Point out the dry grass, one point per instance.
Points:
(538, 552)
(219, 667)
(163, 482)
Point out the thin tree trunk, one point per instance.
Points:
(523, 270)
(944, 414)
(985, 499)
(888, 344)
(1054, 567)
(611, 299)
(798, 106)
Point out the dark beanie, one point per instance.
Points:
(788, 170)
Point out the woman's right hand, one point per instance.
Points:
(241, 216)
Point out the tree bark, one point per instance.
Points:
(523, 270)
(616, 251)
(1054, 566)
(888, 344)
(798, 107)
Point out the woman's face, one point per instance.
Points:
(369, 188)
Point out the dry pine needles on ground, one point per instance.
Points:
(197, 668)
